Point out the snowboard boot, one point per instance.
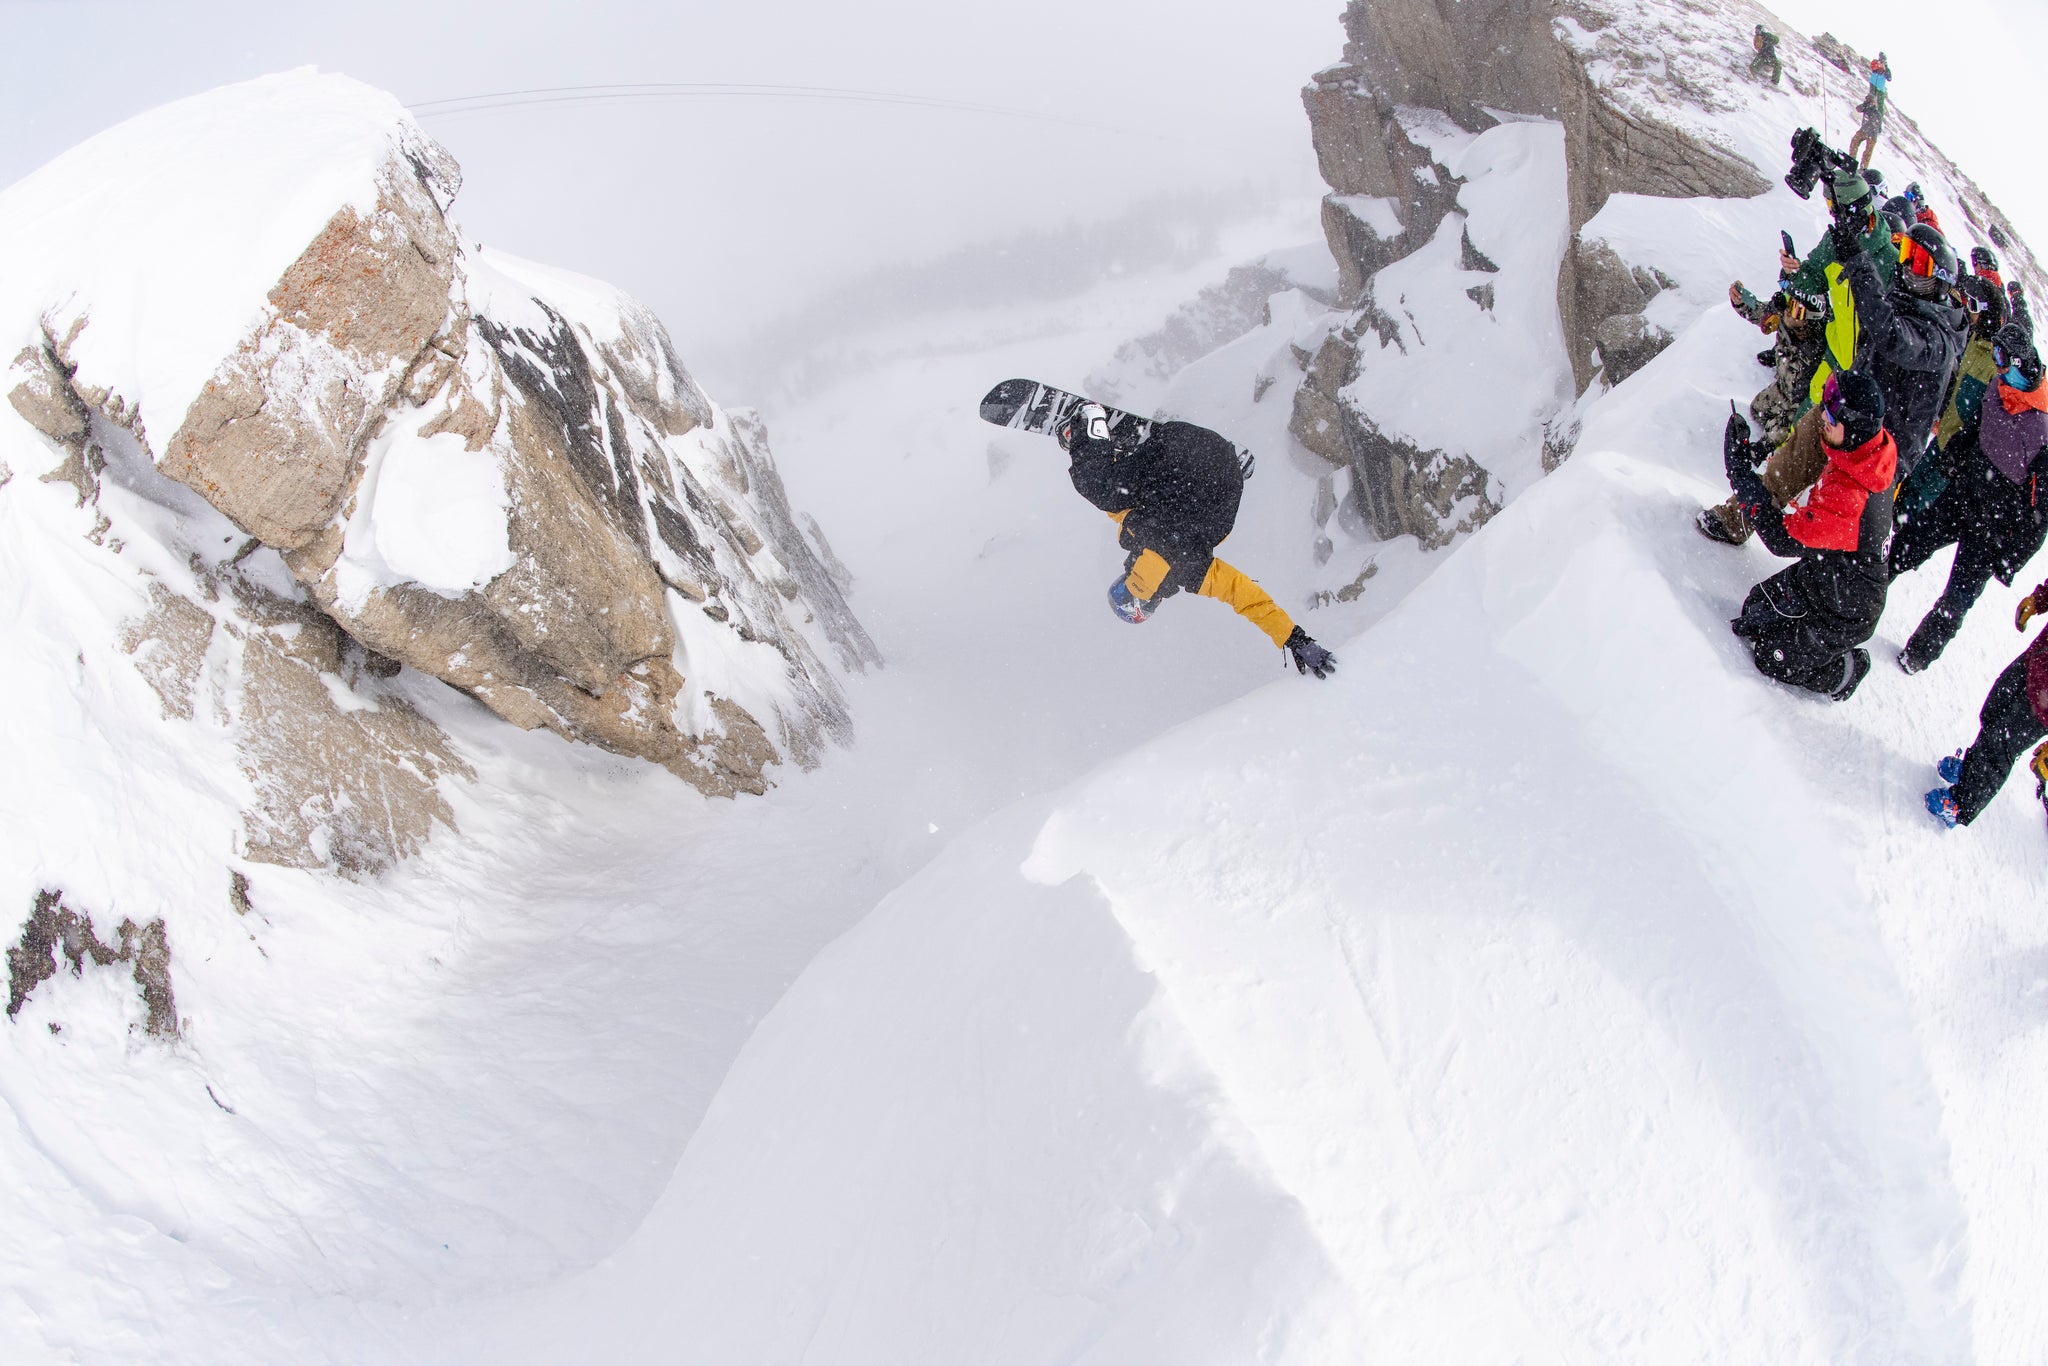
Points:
(1853, 674)
(1709, 524)
(1941, 804)
(1920, 652)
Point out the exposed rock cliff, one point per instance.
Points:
(1652, 98)
(496, 474)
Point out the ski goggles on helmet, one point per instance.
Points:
(1915, 259)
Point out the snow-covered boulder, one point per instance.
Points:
(496, 473)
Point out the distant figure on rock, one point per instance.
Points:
(1872, 110)
(1174, 498)
(1806, 624)
(2014, 716)
(1993, 509)
(1765, 62)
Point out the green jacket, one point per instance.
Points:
(1820, 273)
(1975, 376)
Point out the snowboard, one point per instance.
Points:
(1027, 406)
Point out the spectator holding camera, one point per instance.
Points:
(1910, 332)
(1797, 461)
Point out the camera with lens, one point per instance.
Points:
(1811, 158)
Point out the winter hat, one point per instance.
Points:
(1848, 189)
(1858, 403)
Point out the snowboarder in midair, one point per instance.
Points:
(1173, 495)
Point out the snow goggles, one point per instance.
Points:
(1832, 405)
(1919, 261)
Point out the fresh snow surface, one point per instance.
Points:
(429, 512)
(1548, 987)
(1456, 374)
(104, 232)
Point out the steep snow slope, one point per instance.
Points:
(1551, 987)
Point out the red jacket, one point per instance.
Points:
(1832, 515)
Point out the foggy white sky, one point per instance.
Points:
(720, 213)
(724, 214)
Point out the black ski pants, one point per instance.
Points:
(1926, 531)
(2008, 728)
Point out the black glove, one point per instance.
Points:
(1738, 456)
(1309, 657)
(1845, 235)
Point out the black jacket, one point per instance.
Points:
(1997, 522)
(1910, 346)
(1180, 485)
(1801, 620)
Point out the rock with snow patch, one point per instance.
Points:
(495, 473)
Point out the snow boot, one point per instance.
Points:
(1941, 804)
(1925, 645)
(1857, 669)
(1710, 525)
(1951, 768)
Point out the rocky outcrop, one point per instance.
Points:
(1609, 297)
(1408, 60)
(488, 472)
(53, 930)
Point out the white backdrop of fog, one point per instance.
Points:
(724, 213)
(1141, 126)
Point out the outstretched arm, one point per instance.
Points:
(1226, 583)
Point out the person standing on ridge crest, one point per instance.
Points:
(1872, 110)
(1910, 334)
(1766, 62)
(1992, 510)
(1174, 497)
(2013, 716)
(1806, 624)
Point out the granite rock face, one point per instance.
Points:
(1473, 63)
(621, 565)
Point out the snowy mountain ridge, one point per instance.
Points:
(1548, 987)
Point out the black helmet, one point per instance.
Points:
(1927, 264)
(2014, 347)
